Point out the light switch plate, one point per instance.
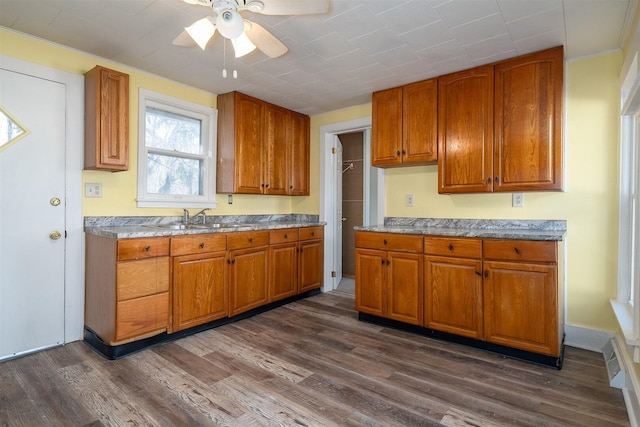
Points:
(93, 189)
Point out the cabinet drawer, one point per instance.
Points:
(389, 241)
(140, 316)
(311, 233)
(197, 244)
(447, 246)
(521, 250)
(142, 248)
(144, 277)
(283, 236)
(248, 239)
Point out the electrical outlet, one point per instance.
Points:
(230, 199)
(409, 200)
(517, 200)
(93, 190)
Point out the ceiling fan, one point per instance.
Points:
(244, 34)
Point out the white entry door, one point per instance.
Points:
(32, 215)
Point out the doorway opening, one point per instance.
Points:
(338, 199)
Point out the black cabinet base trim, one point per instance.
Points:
(514, 353)
(113, 352)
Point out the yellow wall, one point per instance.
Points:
(590, 203)
(120, 189)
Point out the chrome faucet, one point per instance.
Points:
(203, 213)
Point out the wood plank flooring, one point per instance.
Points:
(309, 363)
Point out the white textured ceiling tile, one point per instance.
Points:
(490, 27)
(539, 42)
(490, 48)
(495, 57)
(355, 22)
(312, 63)
(330, 46)
(442, 51)
(368, 73)
(303, 28)
(451, 65)
(413, 15)
(513, 10)
(377, 6)
(393, 57)
(456, 13)
(429, 35)
(536, 24)
(351, 61)
(377, 41)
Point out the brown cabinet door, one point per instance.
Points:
(199, 289)
(528, 122)
(465, 131)
(248, 144)
(371, 282)
(453, 295)
(106, 120)
(276, 178)
(248, 279)
(311, 265)
(521, 306)
(420, 122)
(404, 287)
(298, 144)
(386, 130)
(283, 271)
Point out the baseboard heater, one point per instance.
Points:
(615, 368)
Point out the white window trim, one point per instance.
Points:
(209, 117)
(627, 313)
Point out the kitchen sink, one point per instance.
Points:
(182, 226)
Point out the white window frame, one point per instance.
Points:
(626, 306)
(208, 117)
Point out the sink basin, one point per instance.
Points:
(181, 226)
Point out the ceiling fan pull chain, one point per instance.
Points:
(224, 59)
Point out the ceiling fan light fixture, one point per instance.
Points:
(230, 24)
(242, 45)
(255, 6)
(201, 31)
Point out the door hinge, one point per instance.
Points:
(334, 274)
(334, 150)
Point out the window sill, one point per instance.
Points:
(624, 314)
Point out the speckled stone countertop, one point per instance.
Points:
(481, 228)
(138, 226)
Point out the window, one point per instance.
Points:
(627, 304)
(176, 155)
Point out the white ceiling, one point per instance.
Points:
(334, 60)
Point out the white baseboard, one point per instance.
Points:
(585, 338)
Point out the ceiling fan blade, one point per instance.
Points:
(265, 41)
(291, 7)
(199, 2)
(184, 39)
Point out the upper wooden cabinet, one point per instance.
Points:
(465, 131)
(528, 122)
(404, 126)
(500, 126)
(259, 146)
(106, 132)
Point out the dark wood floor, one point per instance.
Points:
(308, 363)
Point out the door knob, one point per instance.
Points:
(54, 201)
(343, 219)
(55, 235)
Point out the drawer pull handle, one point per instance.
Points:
(450, 247)
(384, 241)
(202, 245)
(286, 236)
(517, 250)
(147, 248)
(313, 233)
(250, 239)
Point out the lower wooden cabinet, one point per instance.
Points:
(126, 287)
(502, 292)
(310, 259)
(283, 264)
(389, 282)
(248, 271)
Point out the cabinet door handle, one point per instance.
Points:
(450, 247)
(382, 261)
(291, 187)
(202, 245)
(267, 185)
(228, 261)
(486, 273)
(478, 273)
(147, 248)
(233, 261)
(388, 262)
(398, 153)
(497, 180)
(489, 180)
(517, 250)
(404, 152)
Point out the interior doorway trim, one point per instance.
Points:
(328, 184)
(74, 162)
